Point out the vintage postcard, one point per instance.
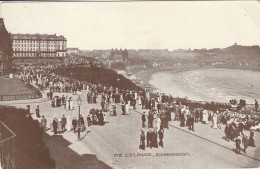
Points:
(134, 84)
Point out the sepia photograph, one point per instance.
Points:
(129, 84)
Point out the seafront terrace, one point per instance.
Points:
(120, 135)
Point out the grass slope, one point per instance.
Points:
(98, 75)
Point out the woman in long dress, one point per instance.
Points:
(205, 116)
(251, 141)
(215, 120)
(127, 108)
(139, 100)
(59, 126)
(71, 104)
(68, 123)
(158, 123)
(67, 103)
(136, 96)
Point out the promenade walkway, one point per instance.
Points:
(120, 135)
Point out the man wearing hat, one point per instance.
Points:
(142, 140)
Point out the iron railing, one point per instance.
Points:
(19, 97)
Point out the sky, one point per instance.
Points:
(139, 25)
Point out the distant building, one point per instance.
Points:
(73, 51)
(5, 49)
(38, 45)
(119, 55)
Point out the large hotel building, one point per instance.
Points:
(38, 45)
(5, 49)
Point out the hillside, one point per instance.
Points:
(98, 75)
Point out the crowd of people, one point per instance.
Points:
(161, 108)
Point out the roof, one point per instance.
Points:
(37, 36)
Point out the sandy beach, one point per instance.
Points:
(204, 83)
(146, 75)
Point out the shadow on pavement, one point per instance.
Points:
(66, 158)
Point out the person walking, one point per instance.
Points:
(148, 138)
(74, 124)
(114, 109)
(161, 135)
(245, 142)
(158, 123)
(150, 120)
(191, 123)
(238, 142)
(59, 126)
(227, 132)
(214, 122)
(55, 125)
(251, 140)
(197, 115)
(182, 119)
(154, 138)
(68, 123)
(123, 107)
(82, 123)
(63, 123)
(143, 119)
(43, 123)
(127, 107)
(142, 140)
(38, 111)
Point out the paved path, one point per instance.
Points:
(121, 136)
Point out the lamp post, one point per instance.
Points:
(79, 100)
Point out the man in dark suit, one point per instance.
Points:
(191, 122)
(143, 119)
(142, 140)
(74, 124)
(148, 138)
(154, 138)
(161, 134)
(196, 115)
(38, 111)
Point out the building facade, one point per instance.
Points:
(119, 55)
(38, 45)
(5, 49)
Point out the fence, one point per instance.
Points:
(7, 147)
(19, 97)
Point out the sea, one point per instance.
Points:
(216, 84)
